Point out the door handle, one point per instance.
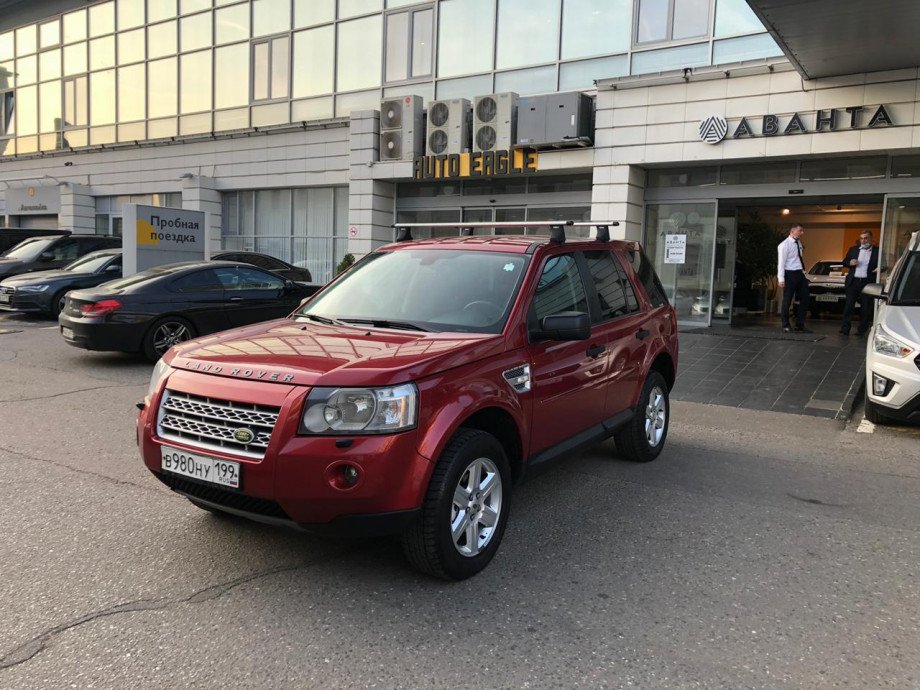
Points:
(642, 334)
(595, 351)
(236, 299)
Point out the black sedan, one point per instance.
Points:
(153, 310)
(269, 263)
(42, 292)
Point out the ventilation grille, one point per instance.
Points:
(485, 138)
(391, 145)
(222, 497)
(486, 109)
(391, 114)
(439, 114)
(437, 141)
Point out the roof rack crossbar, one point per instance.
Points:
(402, 232)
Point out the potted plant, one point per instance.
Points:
(757, 242)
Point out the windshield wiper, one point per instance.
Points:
(320, 319)
(383, 323)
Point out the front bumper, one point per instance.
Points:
(295, 483)
(902, 401)
(27, 303)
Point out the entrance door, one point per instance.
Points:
(682, 239)
(901, 219)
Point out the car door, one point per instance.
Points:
(198, 296)
(568, 379)
(253, 295)
(620, 324)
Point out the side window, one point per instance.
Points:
(632, 304)
(607, 281)
(258, 280)
(270, 263)
(199, 281)
(649, 279)
(560, 288)
(66, 250)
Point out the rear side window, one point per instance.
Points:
(199, 281)
(560, 288)
(605, 273)
(649, 279)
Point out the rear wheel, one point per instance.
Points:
(165, 333)
(465, 509)
(873, 414)
(643, 437)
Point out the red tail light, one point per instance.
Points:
(106, 306)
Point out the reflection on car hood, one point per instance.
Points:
(831, 281)
(308, 353)
(40, 276)
(902, 322)
(7, 265)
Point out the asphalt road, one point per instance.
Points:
(759, 550)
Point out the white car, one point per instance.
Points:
(893, 348)
(827, 287)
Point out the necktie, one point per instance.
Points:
(798, 246)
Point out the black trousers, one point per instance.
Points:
(866, 305)
(796, 285)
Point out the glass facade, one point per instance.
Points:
(131, 70)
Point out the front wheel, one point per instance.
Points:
(465, 509)
(57, 303)
(643, 437)
(873, 414)
(165, 333)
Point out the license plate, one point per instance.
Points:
(202, 467)
(67, 332)
(826, 298)
(5, 298)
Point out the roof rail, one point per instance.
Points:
(402, 232)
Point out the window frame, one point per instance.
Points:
(65, 126)
(410, 48)
(269, 41)
(669, 40)
(7, 112)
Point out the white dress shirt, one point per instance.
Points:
(788, 258)
(862, 263)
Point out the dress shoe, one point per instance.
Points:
(786, 329)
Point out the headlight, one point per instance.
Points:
(160, 371)
(886, 344)
(33, 288)
(360, 410)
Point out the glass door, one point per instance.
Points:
(902, 218)
(681, 239)
(722, 304)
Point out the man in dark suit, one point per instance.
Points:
(862, 262)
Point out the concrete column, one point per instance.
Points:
(78, 209)
(371, 203)
(201, 194)
(619, 194)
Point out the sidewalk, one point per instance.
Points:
(761, 368)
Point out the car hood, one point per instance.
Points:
(832, 281)
(902, 322)
(39, 277)
(310, 354)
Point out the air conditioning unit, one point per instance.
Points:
(448, 127)
(557, 120)
(494, 121)
(401, 128)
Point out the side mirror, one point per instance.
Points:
(46, 256)
(289, 285)
(568, 325)
(876, 290)
(113, 269)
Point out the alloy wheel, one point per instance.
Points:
(655, 416)
(476, 508)
(168, 334)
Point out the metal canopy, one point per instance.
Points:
(828, 38)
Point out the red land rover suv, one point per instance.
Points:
(416, 390)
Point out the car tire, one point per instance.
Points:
(165, 333)
(57, 303)
(643, 437)
(873, 414)
(472, 477)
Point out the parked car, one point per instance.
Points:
(269, 263)
(827, 279)
(44, 253)
(416, 389)
(153, 310)
(893, 348)
(43, 291)
(722, 308)
(10, 237)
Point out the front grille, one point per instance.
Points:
(222, 497)
(210, 423)
(7, 290)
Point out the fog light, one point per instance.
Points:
(350, 474)
(880, 385)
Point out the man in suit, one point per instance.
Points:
(790, 273)
(862, 262)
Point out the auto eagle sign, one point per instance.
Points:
(157, 235)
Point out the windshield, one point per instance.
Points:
(428, 289)
(28, 250)
(828, 268)
(907, 290)
(89, 263)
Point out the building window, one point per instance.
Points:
(409, 44)
(271, 61)
(671, 20)
(6, 113)
(75, 102)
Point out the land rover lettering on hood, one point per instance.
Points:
(413, 394)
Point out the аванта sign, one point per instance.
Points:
(715, 128)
